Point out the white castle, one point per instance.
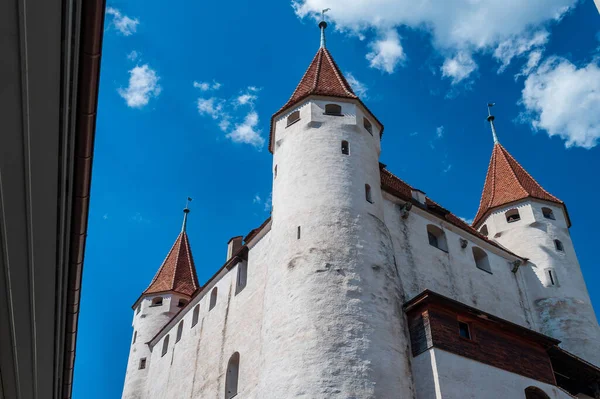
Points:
(360, 286)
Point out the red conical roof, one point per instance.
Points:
(507, 181)
(177, 273)
(322, 78)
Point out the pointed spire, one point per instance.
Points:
(177, 272)
(323, 25)
(490, 119)
(186, 210)
(507, 181)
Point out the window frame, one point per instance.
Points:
(290, 123)
(440, 237)
(511, 213)
(333, 113)
(485, 258)
(157, 301)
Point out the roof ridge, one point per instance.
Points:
(318, 72)
(178, 258)
(162, 264)
(342, 80)
(512, 170)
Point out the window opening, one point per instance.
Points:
(368, 195)
(142, 363)
(294, 117)
(195, 315)
(463, 330)
(368, 126)
(242, 275)
(512, 215)
(548, 213)
(481, 259)
(437, 237)
(345, 148)
(158, 301)
(333, 109)
(231, 379)
(165, 347)
(213, 299)
(179, 331)
(559, 246)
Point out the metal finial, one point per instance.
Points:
(186, 210)
(323, 25)
(490, 119)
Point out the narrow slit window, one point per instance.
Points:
(232, 376)
(195, 315)
(165, 347)
(294, 117)
(368, 126)
(559, 246)
(464, 330)
(179, 331)
(548, 213)
(134, 337)
(368, 195)
(142, 363)
(551, 277)
(242, 275)
(512, 216)
(333, 109)
(139, 309)
(275, 172)
(345, 148)
(213, 299)
(298, 232)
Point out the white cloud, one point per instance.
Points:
(359, 88)
(516, 46)
(127, 26)
(206, 86)
(455, 26)
(210, 106)
(533, 60)
(386, 52)
(143, 85)
(246, 131)
(439, 132)
(269, 202)
(105, 216)
(246, 98)
(564, 100)
(459, 67)
(133, 55)
(257, 199)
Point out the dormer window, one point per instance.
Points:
(293, 117)
(548, 214)
(368, 126)
(512, 216)
(333, 109)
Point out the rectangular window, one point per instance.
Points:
(142, 363)
(551, 276)
(463, 330)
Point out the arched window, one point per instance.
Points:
(559, 246)
(345, 148)
(181, 303)
(231, 378)
(481, 259)
(242, 274)
(436, 237)
(535, 393)
(195, 315)
(293, 117)
(157, 301)
(512, 215)
(548, 214)
(368, 126)
(179, 331)
(165, 347)
(333, 109)
(368, 195)
(213, 299)
(484, 230)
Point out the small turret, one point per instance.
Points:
(519, 214)
(170, 289)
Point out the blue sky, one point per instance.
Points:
(187, 91)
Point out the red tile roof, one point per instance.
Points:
(322, 78)
(507, 181)
(177, 273)
(395, 186)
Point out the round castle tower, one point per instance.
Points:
(519, 214)
(170, 289)
(333, 323)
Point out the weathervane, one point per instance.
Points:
(490, 119)
(186, 210)
(323, 25)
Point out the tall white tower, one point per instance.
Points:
(518, 213)
(333, 324)
(170, 289)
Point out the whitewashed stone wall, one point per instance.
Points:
(440, 374)
(564, 310)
